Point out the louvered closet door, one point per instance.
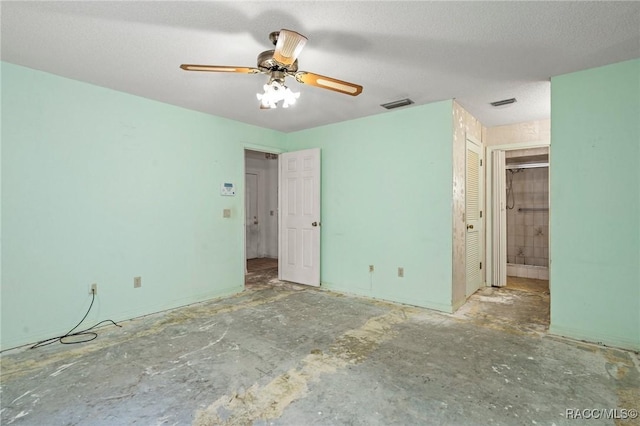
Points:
(473, 216)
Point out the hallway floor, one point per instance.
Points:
(261, 263)
(284, 354)
(528, 284)
(523, 305)
(261, 272)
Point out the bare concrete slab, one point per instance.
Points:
(285, 354)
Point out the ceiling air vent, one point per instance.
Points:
(504, 102)
(397, 104)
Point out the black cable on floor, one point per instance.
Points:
(90, 335)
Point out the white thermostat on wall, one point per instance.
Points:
(227, 189)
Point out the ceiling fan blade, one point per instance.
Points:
(288, 47)
(219, 68)
(328, 83)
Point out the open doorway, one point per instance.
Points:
(261, 217)
(282, 217)
(518, 236)
(527, 218)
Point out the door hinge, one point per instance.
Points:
(481, 162)
(481, 213)
(480, 265)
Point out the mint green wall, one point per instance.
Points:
(387, 202)
(101, 186)
(595, 205)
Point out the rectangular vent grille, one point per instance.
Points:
(397, 104)
(504, 102)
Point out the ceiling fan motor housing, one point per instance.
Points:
(273, 36)
(267, 63)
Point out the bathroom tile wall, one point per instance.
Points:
(528, 231)
(528, 271)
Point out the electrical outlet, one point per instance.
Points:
(226, 213)
(370, 268)
(401, 272)
(93, 289)
(137, 282)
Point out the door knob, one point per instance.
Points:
(469, 226)
(314, 224)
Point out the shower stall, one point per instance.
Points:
(527, 206)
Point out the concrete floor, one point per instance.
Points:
(279, 353)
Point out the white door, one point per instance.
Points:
(299, 245)
(251, 223)
(499, 221)
(473, 216)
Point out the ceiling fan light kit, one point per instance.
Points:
(274, 92)
(279, 63)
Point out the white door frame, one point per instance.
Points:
(489, 198)
(243, 208)
(498, 219)
(259, 217)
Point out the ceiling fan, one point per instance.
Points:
(279, 63)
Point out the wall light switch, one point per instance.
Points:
(226, 213)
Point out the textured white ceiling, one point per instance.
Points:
(475, 52)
